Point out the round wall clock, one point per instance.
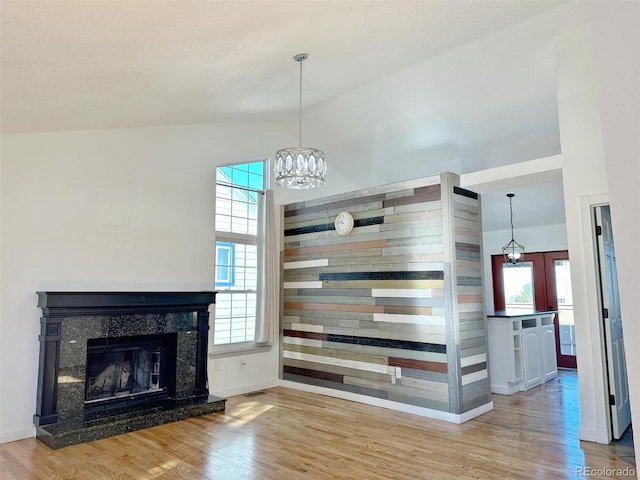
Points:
(344, 223)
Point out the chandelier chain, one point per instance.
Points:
(513, 251)
(511, 217)
(300, 108)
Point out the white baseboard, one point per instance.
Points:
(476, 412)
(598, 434)
(381, 402)
(241, 390)
(14, 435)
(502, 390)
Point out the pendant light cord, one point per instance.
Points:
(300, 111)
(511, 217)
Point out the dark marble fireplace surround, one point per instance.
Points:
(71, 319)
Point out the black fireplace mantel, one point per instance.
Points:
(60, 308)
(106, 303)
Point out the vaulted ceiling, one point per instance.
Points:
(117, 64)
(82, 65)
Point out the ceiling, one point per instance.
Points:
(78, 65)
(72, 65)
(534, 205)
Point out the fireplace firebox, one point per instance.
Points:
(129, 370)
(114, 362)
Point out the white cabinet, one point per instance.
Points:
(506, 369)
(522, 351)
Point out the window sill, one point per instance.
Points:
(222, 351)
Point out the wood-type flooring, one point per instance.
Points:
(286, 434)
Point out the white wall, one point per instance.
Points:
(616, 45)
(124, 209)
(455, 112)
(584, 178)
(242, 373)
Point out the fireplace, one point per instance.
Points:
(113, 362)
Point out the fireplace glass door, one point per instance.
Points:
(126, 367)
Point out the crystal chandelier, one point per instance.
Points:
(300, 167)
(513, 252)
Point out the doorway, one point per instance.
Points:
(541, 282)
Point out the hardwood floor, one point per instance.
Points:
(288, 434)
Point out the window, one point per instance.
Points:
(225, 263)
(518, 287)
(239, 189)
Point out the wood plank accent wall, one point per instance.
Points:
(366, 312)
(467, 236)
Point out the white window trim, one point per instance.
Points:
(236, 238)
(240, 348)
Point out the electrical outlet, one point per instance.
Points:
(242, 363)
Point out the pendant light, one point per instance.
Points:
(300, 167)
(513, 252)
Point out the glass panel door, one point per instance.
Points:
(560, 298)
(565, 308)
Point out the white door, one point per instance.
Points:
(616, 363)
